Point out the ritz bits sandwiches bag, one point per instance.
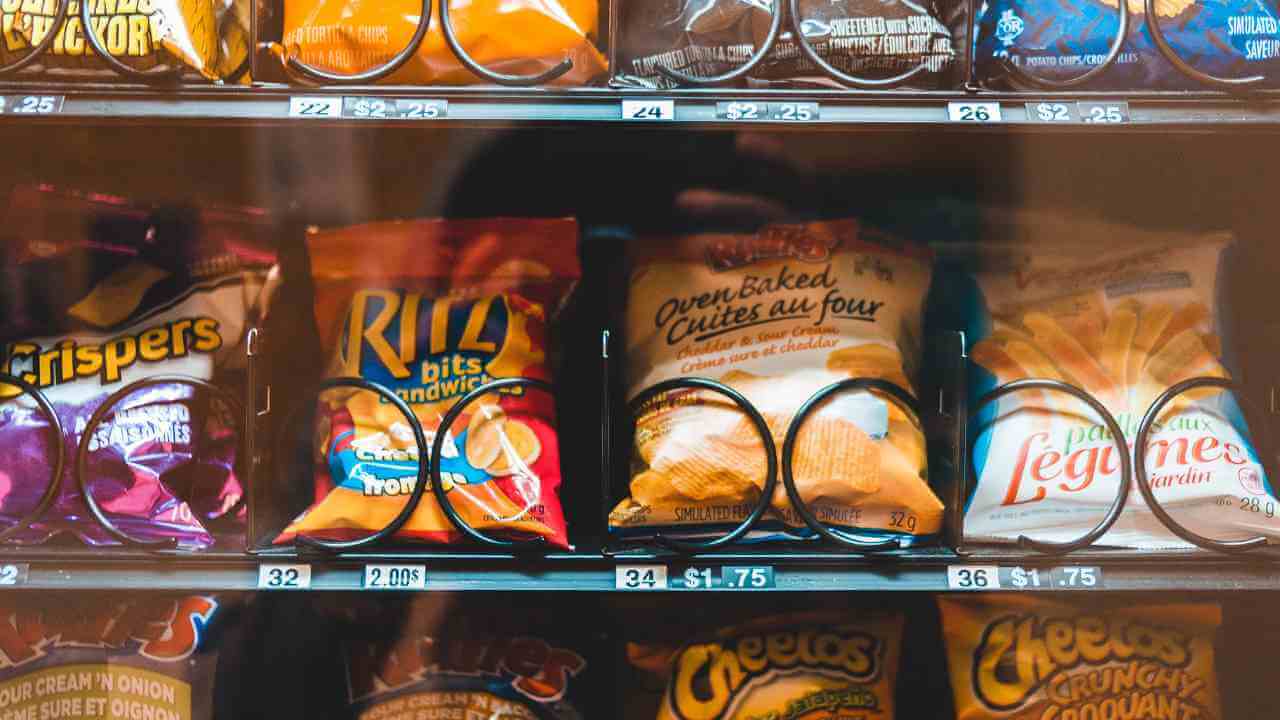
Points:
(521, 37)
(786, 667)
(1019, 658)
(80, 655)
(138, 293)
(433, 309)
(1124, 322)
(777, 316)
(209, 37)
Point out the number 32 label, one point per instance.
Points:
(284, 577)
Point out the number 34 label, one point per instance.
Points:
(640, 577)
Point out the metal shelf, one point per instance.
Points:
(472, 106)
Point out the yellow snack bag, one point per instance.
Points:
(1020, 658)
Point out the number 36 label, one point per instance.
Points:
(973, 577)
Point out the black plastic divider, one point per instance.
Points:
(60, 459)
(373, 74)
(484, 73)
(1117, 44)
(775, 27)
(1212, 81)
(59, 18)
(831, 71)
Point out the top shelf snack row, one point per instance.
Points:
(1147, 45)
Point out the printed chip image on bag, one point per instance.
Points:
(819, 664)
(777, 316)
(1020, 658)
(1056, 41)
(872, 39)
(1122, 318)
(519, 38)
(432, 310)
(77, 655)
(140, 295)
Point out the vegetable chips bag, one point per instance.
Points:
(65, 655)
(432, 310)
(138, 294)
(1231, 38)
(1021, 658)
(778, 316)
(1124, 321)
(522, 37)
(789, 667)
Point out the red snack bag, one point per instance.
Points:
(432, 309)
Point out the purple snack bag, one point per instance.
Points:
(143, 295)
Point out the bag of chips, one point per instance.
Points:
(1235, 38)
(433, 309)
(1122, 318)
(777, 316)
(521, 38)
(140, 293)
(1022, 658)
(819, 664)
(79, 655)
(872, 39)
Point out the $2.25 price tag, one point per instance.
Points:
(395, 577)
(284, 577)
(640, 577)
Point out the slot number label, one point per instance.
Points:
(1058, 578)
(649, 110)
(974, 112)
(372, 108)
(12, 574)
(315, 107)
(973, 577)
(742, 111)
(730, 577)
(640, 577)
(32, 104)
(284, 577)
(395, 577)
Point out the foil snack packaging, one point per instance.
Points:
(1235, 38)
(870, 39)
(433, 309)
(1123, 319)
(81, 655)
(140, 294)
(1020, 658)
(522, 38)
(819, 664)
(777, 316)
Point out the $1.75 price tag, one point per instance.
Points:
(395, 577)
(729, 577)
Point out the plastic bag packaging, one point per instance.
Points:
(140, 294)
(523, 37)
(710, 37)
(433, 309)
(1024, 658)
(1235, 38)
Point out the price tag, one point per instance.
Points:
(742, 111)
(649, 110)
(315, 107)
(640, 577)
(1051, 112)
(973, 577)
(14, 573)
(32, 104)
(1103, 113)
(1019, 578)
(794, 111)
(395, 577)
(284, 577)
(1076, 578)
(974, 112)
(373, 108)
(754, 577)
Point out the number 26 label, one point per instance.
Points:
(974, 112)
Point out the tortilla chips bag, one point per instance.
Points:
(433, 309)
(1015, 657)
(1124, 321)
(778, 316)
(809, 665)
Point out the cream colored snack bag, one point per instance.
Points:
(778, 316)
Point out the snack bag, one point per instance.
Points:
(778, 316)
(871, 39)
(1016, 657)
(479, 660)
(1235, 38)
(139, 294)
(807, 665)
(65, 655)
(1123, 320)
(142, 33)
(522, 38)
(433, 309)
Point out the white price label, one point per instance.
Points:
(395, 577)
(1051, 112)
(315, 107)
(649, 110)
(14, 573)
(1077, 578)
(284, 577)
(1104, 113)
(640, 577)
(973, 577)
(33, 104)
(974, 112)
